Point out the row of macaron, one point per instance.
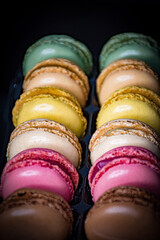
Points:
(44, 153)
(21, 112)
(125, 149)
(48, 118)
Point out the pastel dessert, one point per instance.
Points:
(59, 73)
(44, 133)
(35, 214)
(134, 103)
(123, 73)
(42, 169)
(124, 213)
(123, 132)
(58, 46)
(50, 103)
(125, 166)
(131, 45)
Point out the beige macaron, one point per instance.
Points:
(125, 72)
(60, 73)
(44, 133)
(123, 132)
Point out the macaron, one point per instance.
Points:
(44, 133)
(124, 213)
(125, 166)
(134, 103)
(131, 45)
(123, 132)
(123, 73)
(59, 73)
(42, 169)
(58, 46)
(50, 103)
(35, 214)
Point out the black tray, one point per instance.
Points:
(92, 23)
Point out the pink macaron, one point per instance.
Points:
(40, 168)
(125, 166)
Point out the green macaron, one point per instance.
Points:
(131, 45)
(58, 46)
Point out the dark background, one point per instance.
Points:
(93, 23)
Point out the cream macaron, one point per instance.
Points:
(45, 133)
(125, 72)
(60, 73)
(123, 132)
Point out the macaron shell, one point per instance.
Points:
(114, 141)
(122, 152)
(129, 77)
(31, 213)
(130, 108)
(42, 139)
(125, 165)
(37, 168)
(60, 73)
(50, 103)
(38, 177)
(134, 51)
(53, 109)
(35, 222)
(46, 134)
(58, 80)
(134, 103)
(130, 45)
(127, 174)
(116, 214)
(58, 46)
(126, 124)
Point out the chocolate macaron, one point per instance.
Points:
(124, 213)
(35, 214)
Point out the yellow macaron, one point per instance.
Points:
(133, 103)
(60, 73)
(50, 103)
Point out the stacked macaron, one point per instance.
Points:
(125, 149)
(44, 152)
